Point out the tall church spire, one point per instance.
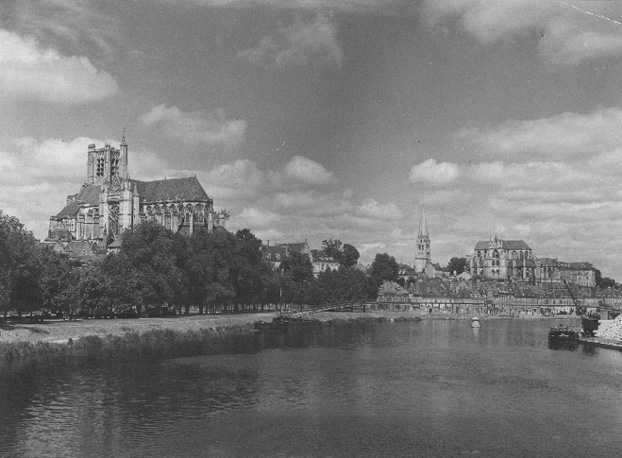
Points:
(423, 253)
(423, 224)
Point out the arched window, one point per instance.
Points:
(100, 167)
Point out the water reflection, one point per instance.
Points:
(424, 388)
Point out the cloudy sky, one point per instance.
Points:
(331, 118)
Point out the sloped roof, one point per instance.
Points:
(298, 247)
(171, 189)
(547, 261)
(116, 243)
(577, 266)
(70, 210)
(89, 194)
(505, 244)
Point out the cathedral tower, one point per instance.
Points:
(106, 164)
(423, 255)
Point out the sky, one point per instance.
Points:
(316, 119)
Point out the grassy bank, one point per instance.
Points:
(59, 332)
(148, 338)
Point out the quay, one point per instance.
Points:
(600, 342)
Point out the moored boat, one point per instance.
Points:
(563, 333)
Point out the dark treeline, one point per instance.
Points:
(156, 269)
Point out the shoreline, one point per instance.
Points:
(70, 342)
(63, 332)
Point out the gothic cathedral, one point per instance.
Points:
(110, 202)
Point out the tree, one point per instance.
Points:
(332, 249)
(604, 282)
(250, 273)
(20, 267)
(208, 267)
(457, 265)
(350, 256)
(384, 267)
(154, 257)
(298, 267)
(346, 254)
(56, 279)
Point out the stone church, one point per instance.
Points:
(110, 202)
(498, 259)
(423, 254)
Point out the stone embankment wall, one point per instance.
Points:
(498, 306)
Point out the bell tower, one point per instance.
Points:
(107, 163)
(423, 254)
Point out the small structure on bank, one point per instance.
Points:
(389, 291)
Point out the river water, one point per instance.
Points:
(431, 388)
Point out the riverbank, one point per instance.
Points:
(63, 332)
(147, 338)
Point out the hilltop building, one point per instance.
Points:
(498, 259)
(551, 271)
(110, 202)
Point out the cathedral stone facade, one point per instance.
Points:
(110, 202)
(498, 259)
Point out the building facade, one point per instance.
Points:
(554, 272)
(498, 259)
(275, 254)
(110, 202)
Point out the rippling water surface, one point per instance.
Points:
(434, 388)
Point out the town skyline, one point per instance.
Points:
(331, 119)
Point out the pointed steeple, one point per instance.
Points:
(423, 253)
(423, 224)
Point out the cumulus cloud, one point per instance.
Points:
(341, 5)
(196, 127)
(41, 173)
(529, 174)
(82, 26)
(301, 43)
(257, 218)
(300, 200)
(308, 171)
(568, 32)
(558, 136)
(433, 172)
(371, 208)
(30, 72)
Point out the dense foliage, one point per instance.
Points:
(157, 270)
(456, 265)
(384, 267)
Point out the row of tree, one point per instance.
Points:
(157, 269)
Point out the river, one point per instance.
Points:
(431, 388)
